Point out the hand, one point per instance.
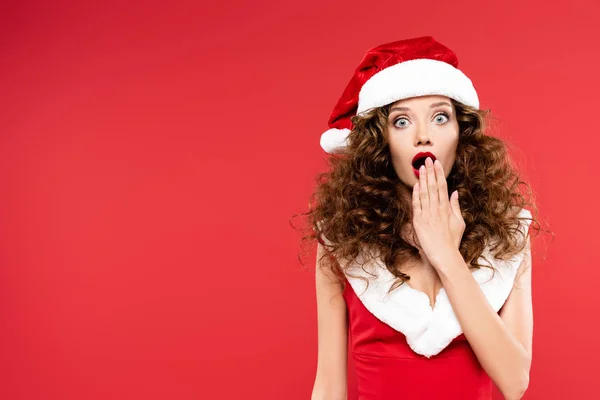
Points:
(437, 220)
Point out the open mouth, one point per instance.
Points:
(419, 161)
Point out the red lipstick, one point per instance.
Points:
(419, 159)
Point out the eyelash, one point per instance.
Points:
(440, 113)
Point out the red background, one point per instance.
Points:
(152, 152)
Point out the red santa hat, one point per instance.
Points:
(394, 71)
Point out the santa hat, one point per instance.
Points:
(394, 71)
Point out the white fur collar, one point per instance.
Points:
(428, 331)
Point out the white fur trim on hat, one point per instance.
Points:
(334, 138)
(429, 330)
(415, 78)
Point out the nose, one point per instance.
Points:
(423, 135)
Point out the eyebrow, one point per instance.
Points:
(441, 103)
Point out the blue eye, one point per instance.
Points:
(442, 114)
(437, 119)
(399, 119)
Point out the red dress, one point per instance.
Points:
(387, 368)
(404, 349)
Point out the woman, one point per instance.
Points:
(423, 258)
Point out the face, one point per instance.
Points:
(421, 124)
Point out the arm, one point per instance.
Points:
(331, 380)
(502, 343)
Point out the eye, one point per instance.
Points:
(442, 114)
(400, 119)
(438, 118)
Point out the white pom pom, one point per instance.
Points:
(333, 139)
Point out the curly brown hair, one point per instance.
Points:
(357, 201)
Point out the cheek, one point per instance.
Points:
(397, 154)
(449, 163)
(398, 147)
(401, 164)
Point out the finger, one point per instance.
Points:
(442, 185)
(434, 199)
(456, 204)
(423, 190)
(416, 202)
